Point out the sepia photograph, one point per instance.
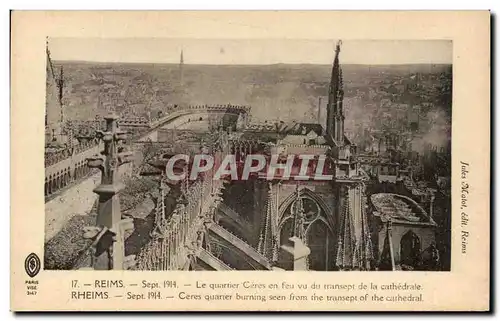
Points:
(187, 154)
(167, 161)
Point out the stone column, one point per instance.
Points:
(258, 209)
(110, 228)
(431, 206)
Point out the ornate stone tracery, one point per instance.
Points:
(305, 217)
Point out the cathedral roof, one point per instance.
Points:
(305, 128)
(286, 128)
(387, 178)
(347, 140)
(400, 209)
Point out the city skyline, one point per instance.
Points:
(249, 51)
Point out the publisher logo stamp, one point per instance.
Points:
(32, 265)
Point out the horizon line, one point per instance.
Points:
(272, 64)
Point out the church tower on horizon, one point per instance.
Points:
(181, 69)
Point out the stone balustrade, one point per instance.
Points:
(240, 108)
(52, 158)
(181, 234)
(134, 122)
(69, 168)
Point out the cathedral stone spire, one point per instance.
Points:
(335, 114)
(50, 67)
(54, 116)
(60, 85)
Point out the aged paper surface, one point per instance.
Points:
(389, 112)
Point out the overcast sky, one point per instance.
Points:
(268, 51)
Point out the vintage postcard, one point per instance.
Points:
(250, 161)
